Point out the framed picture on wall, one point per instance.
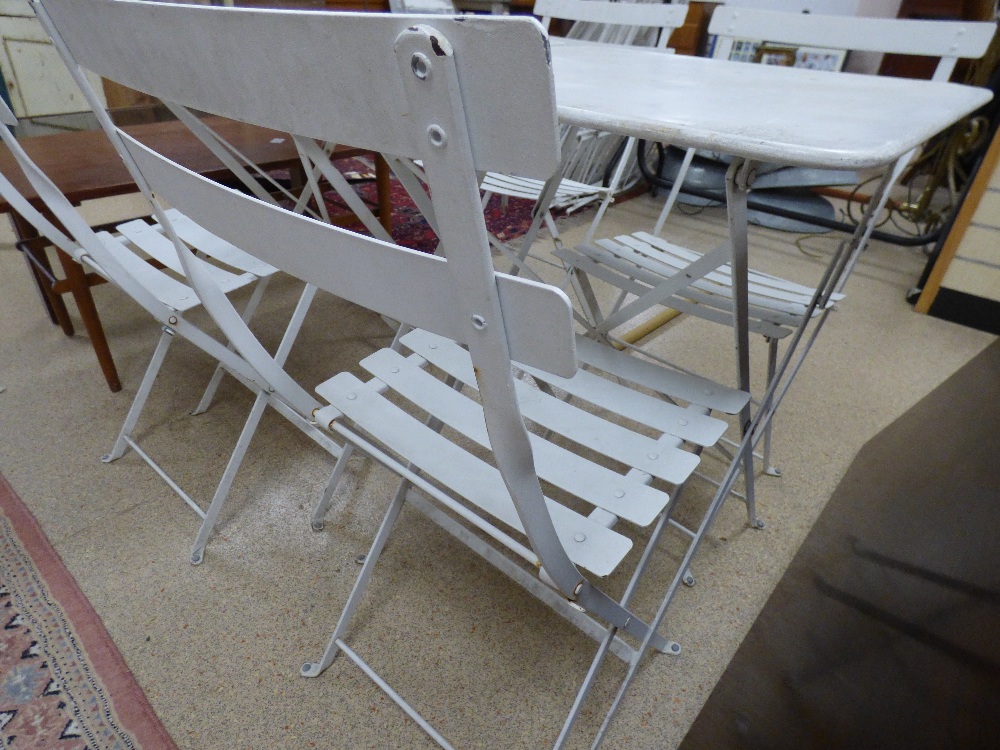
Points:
(814, 58)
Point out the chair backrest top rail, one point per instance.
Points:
(331, 96)
(890, 35)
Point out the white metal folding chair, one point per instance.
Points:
(124, 259)
(459, 442)
(648, 270)
(604, 22)
(168, 294)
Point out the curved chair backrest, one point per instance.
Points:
(615, 15)
(949, 40)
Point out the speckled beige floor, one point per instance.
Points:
(217, 647)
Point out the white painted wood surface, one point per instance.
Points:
(762, 112)
(36, 79)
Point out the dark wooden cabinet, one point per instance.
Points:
(909, 66)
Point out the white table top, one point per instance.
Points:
(762, 112)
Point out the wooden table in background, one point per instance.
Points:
(85, 166)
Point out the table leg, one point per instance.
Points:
(41, 272)
(76, 279)
(383, 187)
(738, 181)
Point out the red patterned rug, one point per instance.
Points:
(506, 220)
(63, 684)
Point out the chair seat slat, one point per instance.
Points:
(590, 545)
(165, 288)
(150, 239)
(589, 430)
(216, 247)
(639, 407)
(691, 388)
(591, 482)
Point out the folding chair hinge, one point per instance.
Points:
(742, 174)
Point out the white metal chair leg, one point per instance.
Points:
(213, 384)
(250, 427)
(772, 361)
(314, 669)
(319, 513)
(674, 192)
(609, 196)
(602, 651)
(222, 491)
(135, 411)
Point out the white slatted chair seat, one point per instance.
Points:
(623, 492)
(150, 240)
(570, 195)
(639, 262)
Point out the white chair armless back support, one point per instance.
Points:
(433, 103)
(634, 15)
(950, 41)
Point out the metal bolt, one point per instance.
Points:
(172, 320)
(478, 322)
(652, 456)
(351, 396)
(682, 422)
(420, 66)
(432, 346)
(579, 537)
(437, 136)
(619, 493)
(394, 370)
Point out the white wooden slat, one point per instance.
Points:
(718, 281)
(590, 545)
(620, 13)
(331, 98)
(601, 259)
(654, 457)
(593, 483)
(166, 289)
(691, 388)
(660, 415)
(757, 277)
(710, 284)
(365, 270)
(216, 247)
(891, 35)
(151, 240)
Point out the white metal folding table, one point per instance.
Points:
(757, 113)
